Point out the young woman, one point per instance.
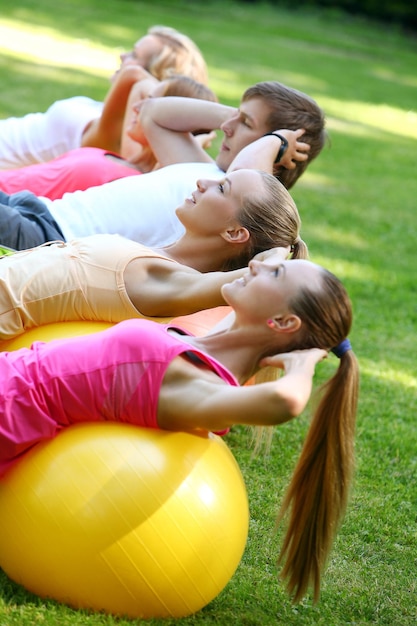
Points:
(87, 167)
(80, 121)
(109, 278)
(287, 315)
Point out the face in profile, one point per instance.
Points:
(215, 204)
(268, 288)
(245, 126)
(142, 53)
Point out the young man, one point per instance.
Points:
(275, 129)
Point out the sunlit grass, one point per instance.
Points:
(358, 208)
(389, 375)
(364, 117)
(21, 41)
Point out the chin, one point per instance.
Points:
(223, 161)
(226, 290)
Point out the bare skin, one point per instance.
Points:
(182, 278)
(191, 394)
(106, 131)
(158, 287)
(168, 123)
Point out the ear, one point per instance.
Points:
(289, 323)
(236, 235)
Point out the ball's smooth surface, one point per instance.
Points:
(56, 330)
(198, 324)
(129, 521)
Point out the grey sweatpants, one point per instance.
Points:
(25, 221)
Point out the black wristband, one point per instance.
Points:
(283, 148)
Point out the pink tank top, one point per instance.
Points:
(76, 170)
(113, 375)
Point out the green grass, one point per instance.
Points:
(358, 204)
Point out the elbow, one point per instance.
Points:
(294, 405)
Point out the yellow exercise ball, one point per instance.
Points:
(198, 324)
(55, 330)
(126, 520)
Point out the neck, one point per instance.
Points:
(239, 348)
(202, 253)
(121, 160)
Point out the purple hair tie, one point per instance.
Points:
(343, 347)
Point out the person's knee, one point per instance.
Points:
(4, 198)
(25, 222)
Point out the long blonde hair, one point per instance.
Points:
(179, 55)
(318, 493)
(272, 219)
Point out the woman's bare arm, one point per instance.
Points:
(194, 398)
(106, 131)
(162, 288)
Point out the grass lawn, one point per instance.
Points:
(358, 204)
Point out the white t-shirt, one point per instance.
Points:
(40, 137)
(141, 208)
